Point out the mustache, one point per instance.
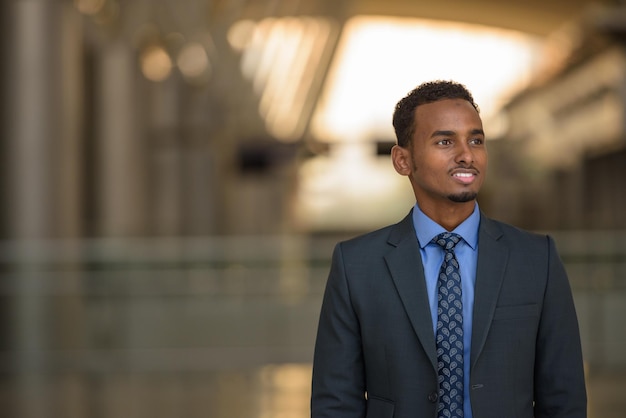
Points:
(465, 167)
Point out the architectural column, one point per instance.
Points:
(31, 133)
(120, 198)
(166, 157)
(40, 134)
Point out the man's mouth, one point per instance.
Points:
(464, 177)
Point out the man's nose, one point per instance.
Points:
(464, 153)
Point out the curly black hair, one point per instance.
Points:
(429, 92)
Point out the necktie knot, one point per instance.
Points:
(447, 240)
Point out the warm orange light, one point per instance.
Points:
(240, 34)
(379, 59)
(281, 58)
(193, 62)
(156, 64)
(89, 7)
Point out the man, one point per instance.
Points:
(447, 313)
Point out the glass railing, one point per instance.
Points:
(220, 327)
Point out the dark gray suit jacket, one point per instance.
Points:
(375, 349)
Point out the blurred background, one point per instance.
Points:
(175, 173)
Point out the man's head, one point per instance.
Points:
(429, 92)
(441, 147)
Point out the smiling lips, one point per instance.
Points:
(465, 177)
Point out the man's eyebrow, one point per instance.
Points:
(443, 133)
(453, 133)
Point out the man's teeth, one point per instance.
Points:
(463, 175)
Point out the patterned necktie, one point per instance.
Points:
(449, 335)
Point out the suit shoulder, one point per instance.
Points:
(381, 240)
(516, 235)
(373, 238)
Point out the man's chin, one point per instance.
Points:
(463, 197)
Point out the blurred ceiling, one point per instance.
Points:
(208, 24)
(538, 17)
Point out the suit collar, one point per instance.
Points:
(426, 229)
(493, 254)
(405, 265)
(402, 230)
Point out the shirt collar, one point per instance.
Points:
(426, 229)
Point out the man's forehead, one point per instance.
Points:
(447, 110)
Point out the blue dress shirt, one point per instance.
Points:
(466, 252)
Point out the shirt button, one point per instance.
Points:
(433, 396)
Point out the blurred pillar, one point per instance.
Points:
(33, 117)
(167, 157)
(120, 150)
(41, 192)
(32, 130)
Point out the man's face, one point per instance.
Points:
(447, 159)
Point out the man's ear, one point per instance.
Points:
(401, 158)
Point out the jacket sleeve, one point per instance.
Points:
(559, 373)
(338, 386)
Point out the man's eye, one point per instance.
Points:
(477, 141)
(444, 142)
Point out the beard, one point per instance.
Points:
(463, 197)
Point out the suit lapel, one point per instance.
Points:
(405, 265)
(492, 260)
